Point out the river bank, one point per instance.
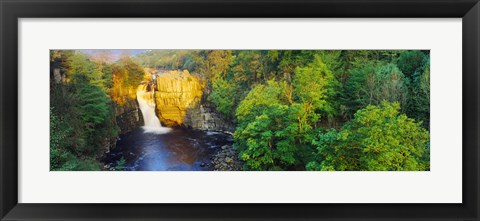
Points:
(226, 159)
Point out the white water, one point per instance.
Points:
(146, 101)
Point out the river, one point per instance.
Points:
(178, 150)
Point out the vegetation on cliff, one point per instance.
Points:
(82, 112)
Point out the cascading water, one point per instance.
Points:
(146, 102)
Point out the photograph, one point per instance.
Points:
(223, 110)
(239, 110)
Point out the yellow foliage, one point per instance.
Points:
(120, 91)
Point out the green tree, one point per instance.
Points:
(314, 87)
(226, 96)
(80, 64)
(82, 116)
(410, 61)
(419, 100)
(261, 134)
(96, 114)
(264, 143)
(379, 138)
(372, 84)
(59, 152)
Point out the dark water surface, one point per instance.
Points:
(180, 149)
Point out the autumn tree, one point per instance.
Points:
(213, 63)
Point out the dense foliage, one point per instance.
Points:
(378, 138)
(289, 107)
(82, 116)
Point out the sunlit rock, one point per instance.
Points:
(176, 92)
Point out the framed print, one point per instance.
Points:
(314, 110)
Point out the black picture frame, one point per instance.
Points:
(11, 10)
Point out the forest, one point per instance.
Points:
(289, 110)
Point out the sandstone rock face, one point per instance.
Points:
(178, 102)
(176, 93)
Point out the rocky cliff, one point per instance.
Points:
(128, 116)
(205, 118)
(179, 103)
(176, 93)
(127, 113)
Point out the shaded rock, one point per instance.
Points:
(206, 118)
(128, 115)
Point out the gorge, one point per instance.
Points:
(254, 110)
(180, 145)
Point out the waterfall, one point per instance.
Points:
(146, 101)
